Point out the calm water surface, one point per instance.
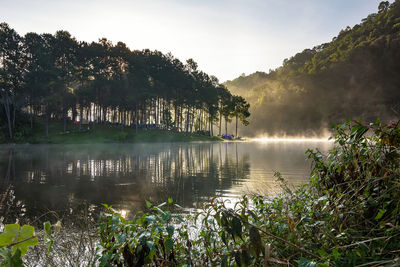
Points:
(75, 179)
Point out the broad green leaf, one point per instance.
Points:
(166, 216)
(237, 227)
(9, 235)
(255, 240)
(306, 263)
(122, 238)
(49, 244)
(4, 252)
(10, 260)
(150, 244)
(178, 206)
(323, 253)
(23, 246)
(162, 205)
(380, 214)
(47, 236)
(170, 230)
(26, 233)
(335, 254)
(6, 238)
(150, 218)
(14, 234)
(159, 210)
(47, 228)
(223, 237)
(180, 219)
(169, 244)
(115, 219)
(148, 204)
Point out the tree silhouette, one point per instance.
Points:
(59, 78)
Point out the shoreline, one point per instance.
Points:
(102, 134)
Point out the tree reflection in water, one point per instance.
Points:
(73, 181)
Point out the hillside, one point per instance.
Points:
(355, 75)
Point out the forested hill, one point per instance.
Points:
(243, 83)
(355, 75)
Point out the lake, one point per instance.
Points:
(69, 181)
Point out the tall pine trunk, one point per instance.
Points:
(80, 117)
(136, 118)
(226, 125)
(8, 115)
(236, 125)
(47, 123)
(14, 114)
(7, 110)
(220, 122)
(65, 119)
(31, 114)
(187, 119)
(176, 116)
(104, 119)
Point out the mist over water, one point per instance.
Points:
(297, 139)
(74, 180)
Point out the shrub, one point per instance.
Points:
(347, 215)
(16, 240)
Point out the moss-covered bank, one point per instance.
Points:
(94, 134)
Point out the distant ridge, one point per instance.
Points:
(355, 75)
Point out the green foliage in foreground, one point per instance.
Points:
(347, 215)
(16, 240)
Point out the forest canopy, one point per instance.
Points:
(45, 77)
(356, 75)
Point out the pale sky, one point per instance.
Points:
(226, 38)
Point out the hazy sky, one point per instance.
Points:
(226, 38)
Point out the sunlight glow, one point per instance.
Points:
(124, 213)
